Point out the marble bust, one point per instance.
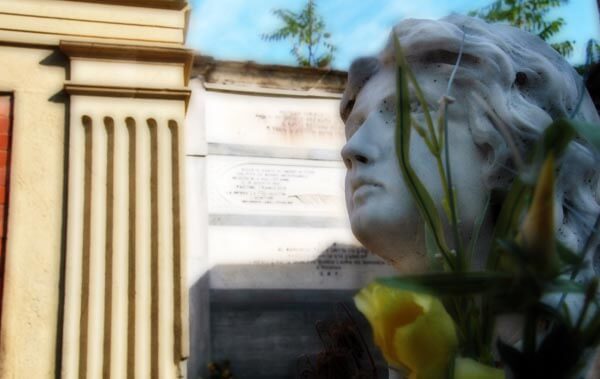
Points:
(509, 82)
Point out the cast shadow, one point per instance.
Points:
(264, 332)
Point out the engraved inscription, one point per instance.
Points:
(335, 260)
(298, 123)
(283, 186)
(291, 123)
(339, 257)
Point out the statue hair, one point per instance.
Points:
(513, 85)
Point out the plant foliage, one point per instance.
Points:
(529, 15)
(311, 46)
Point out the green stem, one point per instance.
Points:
(423, 102)
(477, 229)
(440, 167)
(460, 258)
(590, 296)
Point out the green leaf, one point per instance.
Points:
(551, 28)
(530, 15)
(477, 230)
(513, 250)
(566, 313)
(422, 133)
(307, 31)
(564, 286)
(433, 252)
(555, 138)
(567, 256)
(510, 212)
(589, 132)
(564, 48)
(453, 283)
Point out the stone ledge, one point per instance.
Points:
(217, 72)
(128, 92)
(161, 4)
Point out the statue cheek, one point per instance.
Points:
(348, 192)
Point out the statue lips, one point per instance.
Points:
(362, 187)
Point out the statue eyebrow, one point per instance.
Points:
(360, 71)
(348, 109)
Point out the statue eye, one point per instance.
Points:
(521, 78)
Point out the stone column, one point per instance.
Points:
(125, 313)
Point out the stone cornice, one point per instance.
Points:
(139, 93)
(160, 4)
(272, 76)
(129, 53)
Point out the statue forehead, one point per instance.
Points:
(381, 85)
(370, 91)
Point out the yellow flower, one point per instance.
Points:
(413, 330)
(467, 368)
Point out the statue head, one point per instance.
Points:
(508, 87)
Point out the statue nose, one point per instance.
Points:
(353, 155)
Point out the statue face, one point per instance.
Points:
(509, 86)
(381, 210)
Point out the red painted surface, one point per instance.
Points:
(5, 134)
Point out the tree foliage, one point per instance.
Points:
(592, 52)
(529, 15)
(311, 46)
(592, 57)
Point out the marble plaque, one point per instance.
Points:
(245, 185)
(289, 258)
(309, 123)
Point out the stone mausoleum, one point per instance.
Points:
(270, 251)
(94, 97)
(160, 211)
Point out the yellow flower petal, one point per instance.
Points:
(413, 330)
(467, 368)
(426, 345)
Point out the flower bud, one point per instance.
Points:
(536, 235)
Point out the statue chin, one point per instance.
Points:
(402, 245)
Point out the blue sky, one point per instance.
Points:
(231, 29)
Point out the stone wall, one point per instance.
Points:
(94, 278)
(270, 249)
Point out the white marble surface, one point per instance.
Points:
(251, 185)
(309, 123)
